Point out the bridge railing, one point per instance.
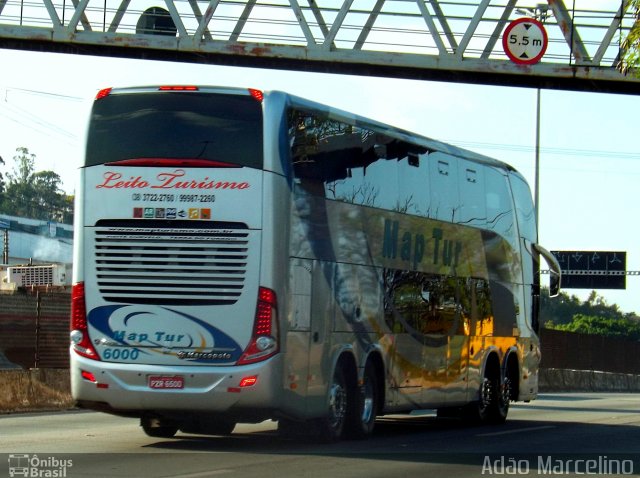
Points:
(457, 35)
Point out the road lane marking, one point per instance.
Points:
(202, 474)
(519, 430)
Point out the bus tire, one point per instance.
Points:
(208, 426)
(366, 403)
(292, 429)
(448, 412)
(504, 399)
(492, 406)
(332, 426)
(157, 428)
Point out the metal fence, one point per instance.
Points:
(34, 328)
(34, 333)
(570, 350)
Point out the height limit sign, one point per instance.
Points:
(525, 41)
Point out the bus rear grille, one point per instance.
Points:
(171, 266)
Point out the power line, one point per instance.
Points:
(29, 120)
(42, 93)
(22, 116)
(549, 150)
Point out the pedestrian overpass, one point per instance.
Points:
(447, 40)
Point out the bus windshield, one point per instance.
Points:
(210, 127)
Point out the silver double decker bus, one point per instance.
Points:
(243, 255)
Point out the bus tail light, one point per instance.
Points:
(103, 93)
(258, 95)
(264, 340)
(80, 341)
(248, 381)
(178, 88)
(88, 376)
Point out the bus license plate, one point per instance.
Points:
(163, 382)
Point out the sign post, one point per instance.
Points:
(525, 41)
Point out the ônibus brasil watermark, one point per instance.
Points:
(550, 465)
(34, 466)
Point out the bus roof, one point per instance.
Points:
(334, 113)
(431, 144)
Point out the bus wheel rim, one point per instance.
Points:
(486, 393)
(337, 404)
(505, 395)
(367, 402)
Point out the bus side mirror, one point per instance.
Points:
(555, 270)
(554, 284)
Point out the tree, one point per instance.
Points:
(630, 46)
(625, 328)
(592, 316)
(35, 195)
(49, 196)
(562, 309)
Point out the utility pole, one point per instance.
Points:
(536, 186)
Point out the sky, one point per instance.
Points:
(589, 161)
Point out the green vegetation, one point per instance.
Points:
(630, 46)
(592, 316)
(35, 195)
(623, 328)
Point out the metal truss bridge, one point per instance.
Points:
(446, 40)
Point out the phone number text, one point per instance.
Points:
(172, 197)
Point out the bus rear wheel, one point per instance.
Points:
(157, 428)
(332, 426)
(504, 399)
(492, 405)
(362, 417)
(208, 426)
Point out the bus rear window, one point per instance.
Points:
(203, 126)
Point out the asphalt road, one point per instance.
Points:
(558, 434)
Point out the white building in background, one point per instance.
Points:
(35, 243)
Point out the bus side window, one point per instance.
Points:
(413, 185)
(525, 209)
(481, 308)
(443, 179)
(423, 304)
(473, 208)
(380, 184)
(500, 213)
